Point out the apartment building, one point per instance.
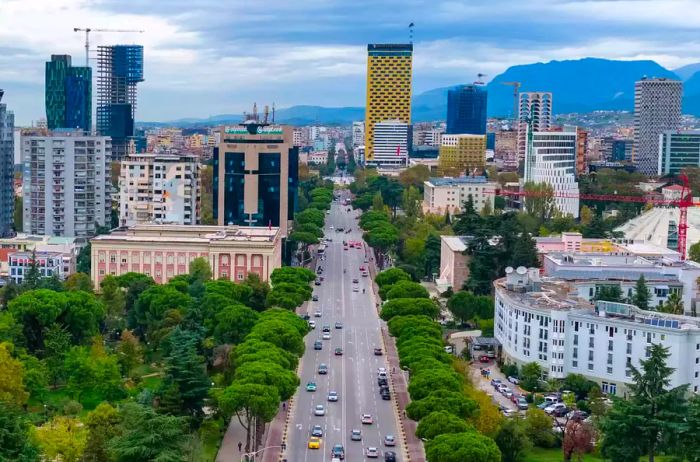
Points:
(49, 264)
(462, 154)
(448, 195)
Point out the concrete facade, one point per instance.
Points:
(454, 265)
(442, 195)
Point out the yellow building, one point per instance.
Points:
(461, 154)
(389, 76)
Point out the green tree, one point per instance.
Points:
(432, 254)
(673, 305)
(250, 403)
(186, 368)
(84, 260)
(377, 202)
(539, 427)
(145, 436)
(440, 423)
(406, 289)
(579, 385)
(530, 376)
(102, 425)
(62, 437)
(409, 306)
(459, 447)
(78, 281)
(648, 421)
(200, 270)
(57, 343)
(267, 373)
(32, 276)
(259, 291)
(421, 385)
(16, 443)
(694, 252)
(609, 293)
(462, 305)
(129, 351)
(688, 444)
(513, 440)
(524, 252)
(391, 276)
(539, 200)
(35, 310)
(12, 389)
(233, 323)
(82, 315)
(154, 308)
(641, 294)
(36, 376)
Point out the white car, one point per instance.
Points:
(554, 407)
(333, 396)
(326, 336)
(389, 440)
(381, 371)
(312, 324)
(319, 410)
(372, 453)
(367, 419)
(509, 412)
(513, 380)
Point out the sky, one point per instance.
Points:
(208, 57)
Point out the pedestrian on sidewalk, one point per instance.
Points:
(240, 445)
(284, 405)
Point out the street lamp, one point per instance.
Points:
(247, 456)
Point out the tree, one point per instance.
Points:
(641, 294)
(152, 309)
(539, 200)
(391, 276)
(609, 293)
(579, 385)
(694, 252)
(513, 440)
(488, 419)
(16, 443)
(32, 276)
(84, 260)
(250, 402)
(114, 301)
(145, 436)
(63, 437)
(11, 378)
(200, 270)
(524, 252)
(93, 373)
(440, 423)
(530, 376)
(377, 202)
(233, 323)
(279, 333)
(487, 209)
(35, 310)
(187, 369)
(421, 385)
(82, 316)
(267, 373)
(36, 376)
(57, 343)
(688, 444)
(78, 281)
(673, 305)
(129, 351)
(460, 447)
(586, 215)
(102, 425)
(462, 305)
(406, 289)
(432, 254)
(453, 402)
(539, 427)
(409, 306)
(259, 291)
(578, 439)
(648, 421)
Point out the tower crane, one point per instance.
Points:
(516, 90)
(87, 31)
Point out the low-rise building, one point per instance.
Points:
(441, 195)
(454, 263)
(48, 264)
(318, 157)
(544, 320)
(68, 247)
(165, 251)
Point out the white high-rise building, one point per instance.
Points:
(358, 134)
(66, 184)
(535, 111)
(657, 108)
(159, 188)
(390, 144)
(551, 159)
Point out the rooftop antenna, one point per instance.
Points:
(255, 112)
(273, 112)
(266, 114)
(410, 32)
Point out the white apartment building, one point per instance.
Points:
(358, 134)
(657, 109)
(534, 112)
(66, 184)
(390, 144)
(441, 195)
(431, 137)
(543, 321)
(159, 188)
(551, 159)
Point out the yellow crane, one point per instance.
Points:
(516, 90)
(87, 31)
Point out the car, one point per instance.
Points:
(311, 386)
(319, 410)
(556, 407)
(366, 261)
(321, 278)
(339, 351)
(503, 388)
(514, 398)
(355, 281)
(333, 396)
(389, 440)
(513, 380)
(318, 314)
(365, 274)
(496, 383)
(389, 456)
(312, 324)
(356, 435)
(326, 328)
(338, 451)
(314, 298)
(318, 345)
(381, 371)
(522, 404)
(509, 412)
(330, 227)
(355, 289)
(372, 452)
(386, 395)
(322, 369)
(508, 394)
(382, 381)
(317, 430)
(560, 411)
(484, 359)
(338, 325)
(367, 419)
(577, 415)
(326, 336)
(378, 352)
(341, 229)
(314, 442)
(317, 282)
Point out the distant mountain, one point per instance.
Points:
(687, 71)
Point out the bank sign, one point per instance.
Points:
(241, 130)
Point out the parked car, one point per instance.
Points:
(560, 411)
(317, 282)
(522, 404)
(513, 380)
(556, 407)
(509, 412)
(496, 383)
(484, 359)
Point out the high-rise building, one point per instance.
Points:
(159, 188)
(466, 110)
(550, 158)
(389, 77)
(119, 69)
(462, 154)
(677, 151)
(616, 150)
(391, 144)
(256, 174)
(535, 114)
(657, 108)
(66, 184)
(7, 150)
(358, 134)
(68, 91)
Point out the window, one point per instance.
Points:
(590, 366)
(240, 276)
(613, 389)
(629, 348)
(170, 259)
(574, 363)
(610, 358)
(610, 345)
(609, 370)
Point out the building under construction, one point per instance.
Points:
(119, 70)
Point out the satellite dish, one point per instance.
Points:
(521, 270)
(509, 270)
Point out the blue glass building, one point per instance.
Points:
(466, 110)
(68, 94)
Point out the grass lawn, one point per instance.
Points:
(555, 455)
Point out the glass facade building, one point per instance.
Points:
(7, 163)
(466, 110)
(68, 94)
(678, 150)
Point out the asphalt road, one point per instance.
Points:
(354, 374)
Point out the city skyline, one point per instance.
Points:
(211, 59)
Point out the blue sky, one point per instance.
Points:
(207, 57)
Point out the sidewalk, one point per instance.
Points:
(228, 451)
(414, 446)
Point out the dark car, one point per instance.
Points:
(386, 395)
(338, 451)
(381, 381)
(317, 282)
(378, 352)
(389, 456)
(339, 351)
(338, 325)
(560, 412)
(318, 345)
(314, 298)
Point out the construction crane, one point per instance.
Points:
(516, 90)
(87, 31)
(685, 201)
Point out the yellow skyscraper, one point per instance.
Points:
(389, 76)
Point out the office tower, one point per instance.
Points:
(657, 109)
(390, 144)
(7, 164)
(677, 151)
(535, 112)
(551, 159)
(462, 154)
(466, 110)
(389, 75)
(159, 188)
(68, 92)
(256, 173)
(615, 150)
(66, 184)
(358, 134)
(119, 69)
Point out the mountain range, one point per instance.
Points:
(581, 85)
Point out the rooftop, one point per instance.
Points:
(653, 226)
(192, 234)
(450, 181)
(456, 243)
